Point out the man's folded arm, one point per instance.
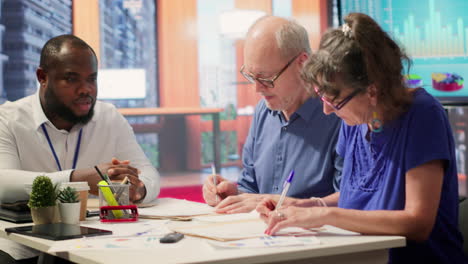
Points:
(12, 182)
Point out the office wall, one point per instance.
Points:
(86, 22)
(313, 16)
(177, 38)
(178, 82)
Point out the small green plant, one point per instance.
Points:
(68, 195)
(43, 194)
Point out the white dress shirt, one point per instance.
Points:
(25, 152)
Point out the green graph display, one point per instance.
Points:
(433, 32)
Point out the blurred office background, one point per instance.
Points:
(177, 53)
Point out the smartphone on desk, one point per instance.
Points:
(58, 231)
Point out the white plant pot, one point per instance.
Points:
(70, 212)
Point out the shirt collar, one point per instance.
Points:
(96, 110)
(310, 108)
(39, 116)
(306, 111)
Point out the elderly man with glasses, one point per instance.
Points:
(289, 130)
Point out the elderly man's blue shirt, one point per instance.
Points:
(306, 144)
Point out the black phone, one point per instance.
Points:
(58, 231)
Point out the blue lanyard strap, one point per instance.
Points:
(77, 149)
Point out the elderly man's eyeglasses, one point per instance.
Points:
(263, 81)
(340, 104)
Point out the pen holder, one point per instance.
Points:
(114, 195)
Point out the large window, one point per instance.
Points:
(128, 73)
(25, 26)
(217, 75)
(127, 44)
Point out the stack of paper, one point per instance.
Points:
(231, 227)
(216, 218)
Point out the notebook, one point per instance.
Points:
(15, 216)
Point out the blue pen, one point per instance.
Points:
(144, 232)
(286, 185)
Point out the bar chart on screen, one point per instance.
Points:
(434, 34)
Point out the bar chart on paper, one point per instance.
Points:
(433, 32)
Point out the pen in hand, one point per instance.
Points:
(105, 178)
(125, 180)
(286, 185)
(213, 172)
(100, 174)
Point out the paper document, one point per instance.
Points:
(267, 242)
(216, 218)
(134, 235)
(231, 230)
(168, 208)
(130, 229)
(111, 243)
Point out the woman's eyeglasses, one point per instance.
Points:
(339, 105)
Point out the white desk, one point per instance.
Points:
(333, 249)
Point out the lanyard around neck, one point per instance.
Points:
(77, 148)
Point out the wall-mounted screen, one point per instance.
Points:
(434, 33)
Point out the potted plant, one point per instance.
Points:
(42, 201)
(69, 205)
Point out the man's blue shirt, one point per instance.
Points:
(306, 144)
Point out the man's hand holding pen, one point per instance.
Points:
(215, 182)
(223, 189)
(120, 172)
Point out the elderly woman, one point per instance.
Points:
(399, 174)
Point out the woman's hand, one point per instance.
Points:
(289, 216)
